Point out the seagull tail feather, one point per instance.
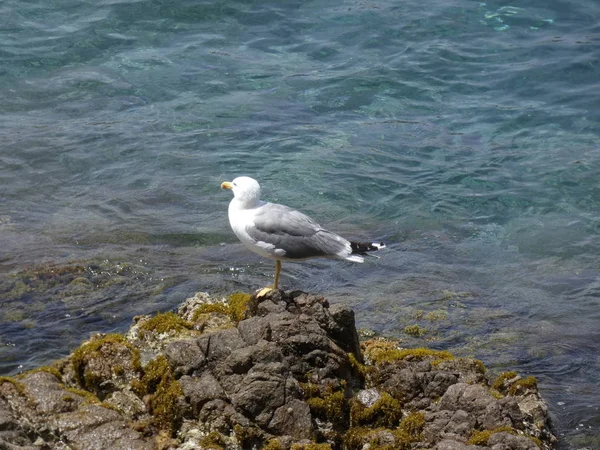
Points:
(364, 247)
(355, 258)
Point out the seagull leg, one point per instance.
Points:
(265, 291)
(277, 270)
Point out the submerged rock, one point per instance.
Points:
(285, 371)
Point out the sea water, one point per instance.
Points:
(464, 134)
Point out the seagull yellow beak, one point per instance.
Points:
(226, 185)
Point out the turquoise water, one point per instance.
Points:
(464, 134)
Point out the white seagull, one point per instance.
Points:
(282, 233)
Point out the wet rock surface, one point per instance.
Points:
(278, 372)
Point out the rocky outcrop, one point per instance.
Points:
(278, 372)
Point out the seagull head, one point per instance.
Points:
(245, 189)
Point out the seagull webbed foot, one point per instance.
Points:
(264, 291)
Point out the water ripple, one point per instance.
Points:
(465, 133)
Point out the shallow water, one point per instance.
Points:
(464, 134)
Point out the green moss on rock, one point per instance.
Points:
(159, 382)
(49, 369)
(480, 366)
(273, 444)
(247, 437)
(89, 397)
(377, 438)
(241, 306)
(164, 323)
(384, 351)
(311, 447)
(524, 385)
(82, 281)
(99, 347)
(41, 278)
(20, 387)
(211, 308)
(330, 408)
(414, 330)
(496, 394)
(14, 315)
(385, 412)
(18, 290)
(433, 316)
(356, 437)
(237, 308)
(381, 426)
(363, 369)
(511, 383)
(482, 437)
(165, 407)
(326, 403)
(213, 441)
(535, 440)
(502, 379)
(413, 425)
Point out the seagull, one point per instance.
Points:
(282, 233)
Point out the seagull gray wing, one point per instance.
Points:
(295, 233)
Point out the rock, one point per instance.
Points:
(292, 419)
(448, 444)
(368, 397)
(255, 329)
(189, 307)
(39, 410)
(285, 370)
(200, 390)
(507, 441)
(219, 345)
(106, 363)
(262, 391)
(127, 403)
(186, 356)
(341, 327)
